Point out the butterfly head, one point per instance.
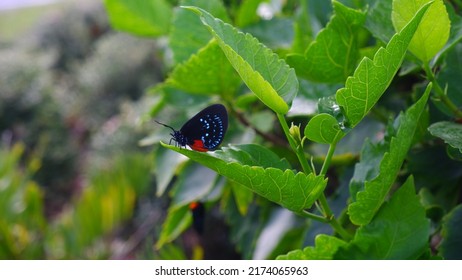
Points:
(177, 136)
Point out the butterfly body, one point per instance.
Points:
(204, 131)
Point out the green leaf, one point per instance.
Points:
(247, 12)
(450, 132)
(378, 20)
(433, 31)
(323, 128)
(283, 231)
(324, 249)
(207, 72)
(167, 163)
(332, 56)
(253, 154)
(400, 230)
(455, 34)
(242, 196)
(177, 221)
(303, 29)
(274, 83)
(140, 17)
(276, 33)
(369, 201)
(368, 167)
(194, 183)
(295, 192)
(188, 34)
(451, 247)
(449, 76)
(372, 77)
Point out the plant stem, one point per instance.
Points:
(269, 137)
(440, 94)
(315, 217)
(327, 160)
(328, 215)
(323, 200)
(340, 230)
(298, 149)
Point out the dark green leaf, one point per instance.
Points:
(450, 132)
(332, 56)
(368, 166)
(369, 201)
(449, 76)
(378, 20)
(451, 247)
(399, 230)
(276, 33)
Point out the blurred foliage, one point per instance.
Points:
(22, 224)
(31, 115)
(83, 229)
(63, 98)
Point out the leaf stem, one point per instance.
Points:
(315, 217)
(440, 93)
(327, 160)
(297, 148)
(328, 215)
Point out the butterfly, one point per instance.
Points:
(204, 131)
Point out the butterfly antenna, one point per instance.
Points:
(165, 125)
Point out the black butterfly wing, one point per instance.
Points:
(206, 130)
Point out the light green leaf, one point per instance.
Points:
(433, 32)
(167, 163)
(177, 221)
(194, 183)
(332, 56)
(274, 83)
(371, 198)
(323, 128)
(188, 34)
(450, 132)
(243, 197)
(140, 17)
(247, 12)
(207, 72)
(372, 77)
(400, 230)
(451, 247)
(324, 249)
(295, 192)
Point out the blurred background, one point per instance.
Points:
(74, 183)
